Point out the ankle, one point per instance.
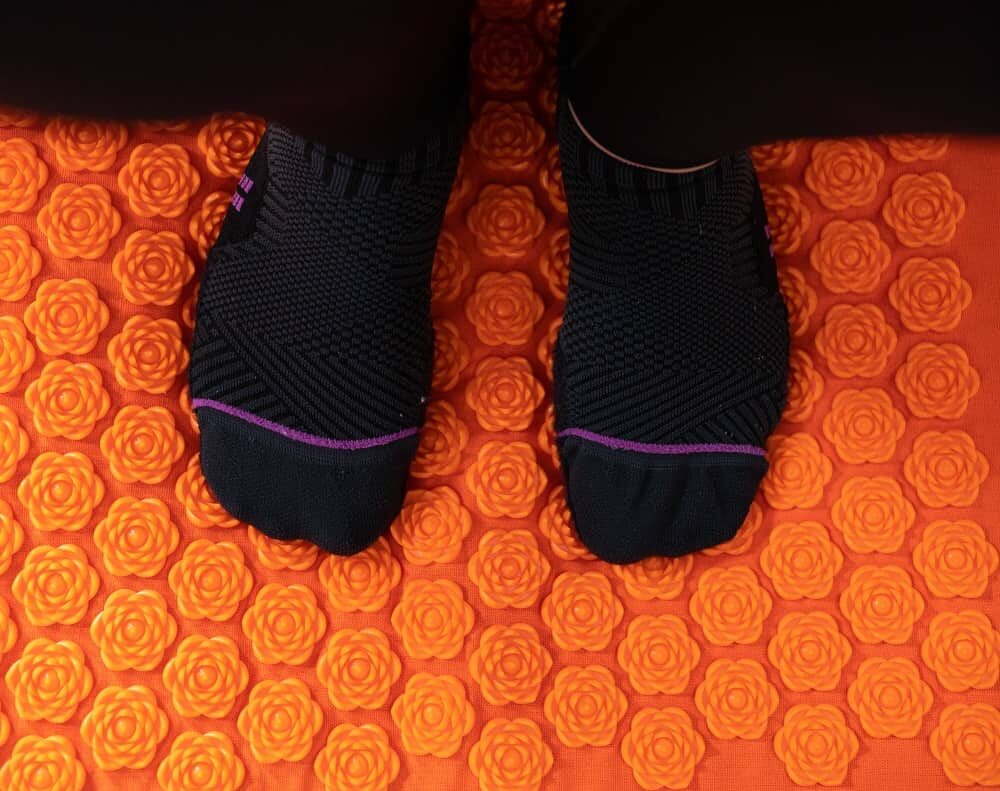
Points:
(678, 169)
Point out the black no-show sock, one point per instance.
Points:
(671, 363)
(313, 346)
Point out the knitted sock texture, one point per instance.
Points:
(313, 332)
(674, 338)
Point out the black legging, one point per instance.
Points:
(676, 83)
(367, 78)
(666, 83)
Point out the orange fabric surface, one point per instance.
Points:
(847, 636)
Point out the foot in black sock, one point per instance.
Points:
(671, 363)
(313, 345)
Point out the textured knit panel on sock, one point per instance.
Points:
(674, 329)
(300, 309)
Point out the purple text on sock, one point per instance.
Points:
(246, 183)
(237, 201)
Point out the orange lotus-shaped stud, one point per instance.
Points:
(280, 721)
(736, 699)
(451, 267)
(506, 479)
(124, 728)
(788, 217)
(850, 256)
(431, 525)
(655, 577)
(81, 144)
(67, 316)
(209, 758)
(510, 754)
(510, 663)
(658, 654)
(966, 742)
(556, 523)
(844, 173)
(17, 354)
(55, 585)
(79, 221)
(451, 356)
(554, 263)
(881, 604)
(923, 209)
(863, 425)
(14, 443)
(228, 141)
(49, 680)
(930, 294)
(963, 649)
(856, 341)
(136, 536)
(11, 538)
(205, 676)
(362, 581)
(432, 619)
(23, 175)
(509, 569)
(67, 399)
(134, 630)
(504, 394)
(60, 491)
(730, 605)
(298, 555)
(585, 706)
(937, 380)
(158, 180)
(873, 514)
(816, 745)
(433, 715)
(916, 148)
(142, 445)
(206, 222)
(50, 759)
(800, 299)
(774, 156)
(890, 697)
(284, 624)
(946, 468)
(153, 267)
(801, 560)
(662, 748)
(442, 440)
(357, 757)
(20, 263)
(582, 611)
(506, 136)
(148, 354)
(956, 558)
(799, 471)
(805, 386)
(200, 506)
(358, 667)
(809, 651)
(504, 308)
(506, 56)
(210, 580)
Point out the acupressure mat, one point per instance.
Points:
(847, 636)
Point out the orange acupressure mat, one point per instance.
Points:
(847, 636)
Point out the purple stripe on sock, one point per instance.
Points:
(301, 436)
(666, 450)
